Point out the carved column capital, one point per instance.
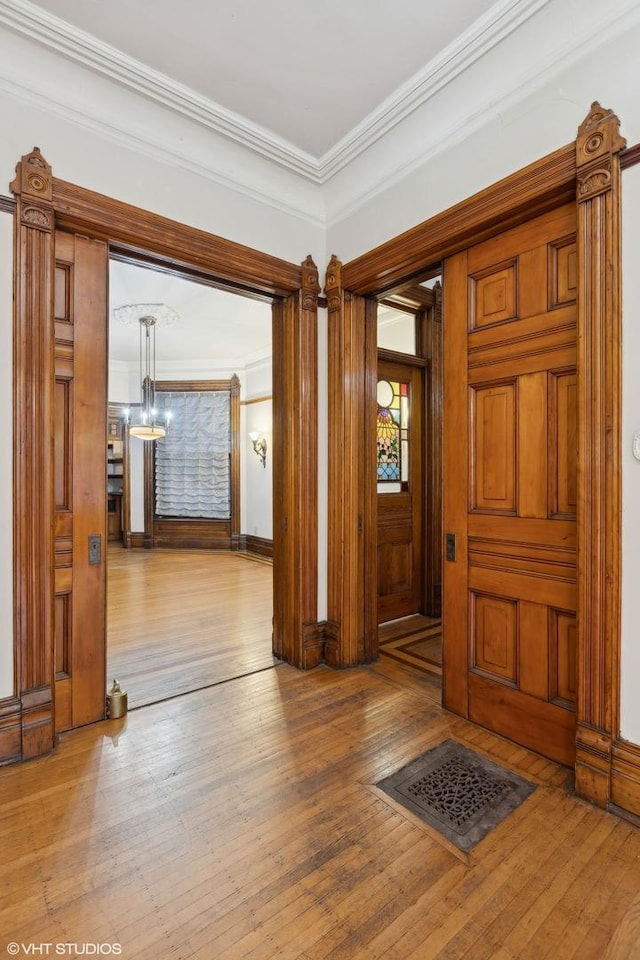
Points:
(310, 284)
(333, 283)
(33, 185)
(597, 140)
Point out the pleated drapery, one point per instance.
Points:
(192, 463)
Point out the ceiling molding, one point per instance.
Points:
(48, 30)
(501, 20)
(157, 150)
(586, 40)
(57, 34)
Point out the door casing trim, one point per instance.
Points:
(43, 204)
(586, 171)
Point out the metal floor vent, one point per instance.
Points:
(460, 793)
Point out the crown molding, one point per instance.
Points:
(500, 20)
(57, 34)
(556, 60)
(50, 31)
(157, 150)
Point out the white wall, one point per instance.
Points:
(257, 481)
(6, 460)
(630, 663)
(515, 134)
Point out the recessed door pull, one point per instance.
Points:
(450, 551)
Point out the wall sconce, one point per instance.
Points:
(259, 442)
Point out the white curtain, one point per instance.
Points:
(193, 461)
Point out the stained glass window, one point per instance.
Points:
(392, 428)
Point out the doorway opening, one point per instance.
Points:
(409, 476)
(190, 515)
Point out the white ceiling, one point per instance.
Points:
(214, 326)
(314, 87)
(309, 72)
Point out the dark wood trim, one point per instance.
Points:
(630, 156)
(7, 204)
(539, 187)
(261, 546)
(408, 359)
(295, 479)
(139, 540)
(33, 365)
(246, 403)
(352, 632)
(43, 202)
(598, 146)
(410, 298)
(189, 533)
(139, 231)
(10, 729)
(625, 777)
(590, 169)
(430, 344)
(196, 386)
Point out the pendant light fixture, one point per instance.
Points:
(145, 420)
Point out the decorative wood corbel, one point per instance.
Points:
(598, 184)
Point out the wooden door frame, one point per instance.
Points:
(586, 171)
(44, 204)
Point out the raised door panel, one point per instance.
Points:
(493, 430)
(80, 305)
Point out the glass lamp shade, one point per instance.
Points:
(145, 431)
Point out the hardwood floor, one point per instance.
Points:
(242, 822)
(415, 640)
(180, 620)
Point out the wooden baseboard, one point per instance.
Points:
(10, 730)
(313, 642)
(258, 545)
(593, 765)
(332, 644)
(139, 540)
(625, 777)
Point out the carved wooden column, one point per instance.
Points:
(599, 405)
(352, 587)
(33, 441)
(297, 637)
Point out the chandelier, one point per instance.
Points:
(144, 420)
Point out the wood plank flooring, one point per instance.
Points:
(180, 620)
(242, 822)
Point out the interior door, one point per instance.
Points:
(510, 464)
(80, 431)
(400, 473)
